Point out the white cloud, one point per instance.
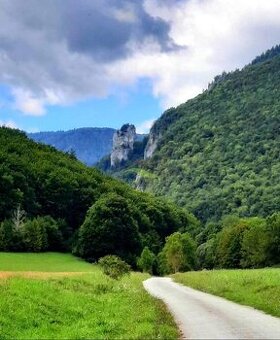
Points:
(145, 126)
(28, 104)
(31, 105)
(215, 35)
(218, 35)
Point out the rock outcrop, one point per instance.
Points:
(151, 145)
(123, 142)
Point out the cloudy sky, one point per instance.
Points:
(74, 63)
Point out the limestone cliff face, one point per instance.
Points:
(151, 145)
(139, 183)
(123, 142)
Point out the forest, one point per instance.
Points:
(51, 201)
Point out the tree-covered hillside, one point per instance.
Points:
(45, 195)
(218, 153)
(88, 144)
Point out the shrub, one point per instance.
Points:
(113, 266)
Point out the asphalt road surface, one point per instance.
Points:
(204, 316)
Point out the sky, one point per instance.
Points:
(67, 64)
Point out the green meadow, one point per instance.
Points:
(85, 304)
(258, 288)
(43, 262)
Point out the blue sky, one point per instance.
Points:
(134, 105)
(104, 63)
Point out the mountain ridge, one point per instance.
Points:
(89, 144)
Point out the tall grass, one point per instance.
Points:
(259, 288)
(86, 305)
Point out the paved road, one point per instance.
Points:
(204, 316)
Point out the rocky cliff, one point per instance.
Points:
(151, 145)
(123, 142)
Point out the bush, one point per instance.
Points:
(113, 266)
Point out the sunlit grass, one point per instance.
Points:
(259, 288)
(43, 262)
(86, 305)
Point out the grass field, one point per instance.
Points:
(259, 288)
(85, 305)
(43, 262)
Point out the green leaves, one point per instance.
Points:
(178, 254)
(109, 228)
(147, 261)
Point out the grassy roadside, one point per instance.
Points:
(258, 288)
(87, 305)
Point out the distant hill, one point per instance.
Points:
(88, 144)
(218, 154)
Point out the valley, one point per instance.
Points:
(196, 201)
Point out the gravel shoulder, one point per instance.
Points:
(204, 316)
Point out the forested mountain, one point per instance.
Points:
(88, 144)
(45, 195)
(218, 153)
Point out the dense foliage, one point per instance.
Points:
(33, 235)
(109, 228)
(124, 226)
(45, 195)
(43, 181)
(218, 153)
(252, 242)
(178, 254)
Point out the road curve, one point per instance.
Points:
(204, 316)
